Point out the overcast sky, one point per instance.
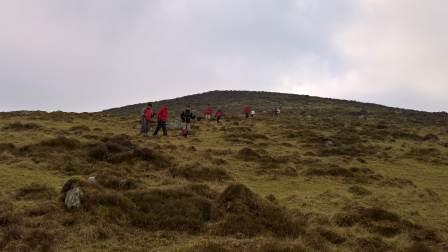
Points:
(89, 55)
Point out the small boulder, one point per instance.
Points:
(73, 198)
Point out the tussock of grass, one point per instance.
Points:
(197, 172)
(18, 126)
(36, 192)
(170, 210)
(242, 211)
(10, 147)
(119, 149)
(61, 142)
(80, 128)
(385, 223)
(359, 190)
(110, 181)
(249, 154)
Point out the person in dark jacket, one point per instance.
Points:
(162, 118)
(186, 117)
(148, 114)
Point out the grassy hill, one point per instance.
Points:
(327, 175)
(233, 102)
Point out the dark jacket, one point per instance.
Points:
(186, 116)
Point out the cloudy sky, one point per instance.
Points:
(88, 55)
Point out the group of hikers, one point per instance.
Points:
(186, 117)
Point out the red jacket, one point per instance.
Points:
(162, 115)
(208, 111)
(247, 110)
(148, 114)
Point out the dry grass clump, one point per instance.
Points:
(98, 151)
(197, 172)
(61, 142)
(244, 212)
(18, 126)
(170, 209)
(248, 154)
(218, 152)
(119, 149)
(353, 150)
(10, 147)
(357, 175)
(331, 171)
(276, 168)
(232, 137)
(80, 128)
(427, 154)
(371, 244)
(269, 245)
(15, 236)
(359, 190)
(385, 223)
(115, 182)
(36, 192)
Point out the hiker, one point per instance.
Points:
(162, 118)
(186, 117)
(208, 112)
(218, 116)
(252, 113)
(148, 114)
(247, 111)
(276, 111)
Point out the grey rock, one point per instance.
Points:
(73, 198)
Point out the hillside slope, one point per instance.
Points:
(233, 102)
(326, 176)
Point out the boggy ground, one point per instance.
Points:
(302, 182)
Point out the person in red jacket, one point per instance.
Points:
(247, 111)
(162, 118)
(218, 116)
(148, 114)
(208, 112)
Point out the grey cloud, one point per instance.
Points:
(89, 55)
